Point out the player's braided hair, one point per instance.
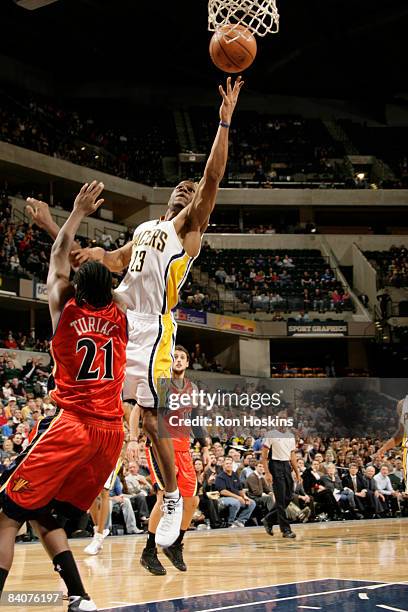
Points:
(93, 285)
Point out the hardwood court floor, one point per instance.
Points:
(226, 560)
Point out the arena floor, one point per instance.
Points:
(351, 566)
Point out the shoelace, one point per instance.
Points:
(168, 508)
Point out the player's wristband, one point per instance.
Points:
(225, 125)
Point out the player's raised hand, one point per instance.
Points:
(39, 212)
(229, 98)
(87, 201)
(80, 256)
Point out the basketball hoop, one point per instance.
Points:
(260, 17)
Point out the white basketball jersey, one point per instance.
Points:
(158, 268)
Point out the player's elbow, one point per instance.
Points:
(213, 175)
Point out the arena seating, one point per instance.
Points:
(387, 143)
(266, 150)
(267, 280)
(392, 265)
(274, 148)
(128, 150)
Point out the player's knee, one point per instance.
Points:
(44, 523)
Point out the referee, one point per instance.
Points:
(278, 458)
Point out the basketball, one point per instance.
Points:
(231, 55)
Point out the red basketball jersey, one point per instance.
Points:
(182, 434)
(89, 351)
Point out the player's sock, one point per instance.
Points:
(151, 544)
(64, 564)
(172, 494)
(3, 577)
(181, 536)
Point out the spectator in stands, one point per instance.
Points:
(259, 490)
(120, 240)
(377, 499)
(198, 360)
(238, 503)
(336, 301)
(306, 281)
(10, 342)
(8, 449)
(118, 500)
(306, 300)
(220, 275)
(136, 482)
(313, 486)
(318, 300)
(343, 495)
(327, 277)
(246, 468)
(356, 482)
(385, 489)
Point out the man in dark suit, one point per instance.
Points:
(355, 481)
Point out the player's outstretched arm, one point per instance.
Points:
(396, 439)
(58, 284)
(39, 212)
(196, 215)
(115, 261)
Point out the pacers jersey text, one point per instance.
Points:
(158, 268)
(89, 351)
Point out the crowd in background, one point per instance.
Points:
(341, 478)
(84, 138)
(391, 265)
(266, 280)
(265, 150)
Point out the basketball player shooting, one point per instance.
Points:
(158, 260)
(71, 453)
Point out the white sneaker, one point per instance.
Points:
(79, 604)
(96, 545)
(169, 525)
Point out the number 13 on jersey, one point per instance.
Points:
(138, 261)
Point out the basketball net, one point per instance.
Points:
(260, 17)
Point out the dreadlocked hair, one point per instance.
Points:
(93, 285)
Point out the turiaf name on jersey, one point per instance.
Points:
(85, 325)
(156, 239)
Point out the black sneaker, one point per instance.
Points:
(288, 534)
(150, 561)
(175, 554)
(268, 527)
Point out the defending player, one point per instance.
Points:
(185, 472)
(158, 260)
(400, 437)
(72, 453)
